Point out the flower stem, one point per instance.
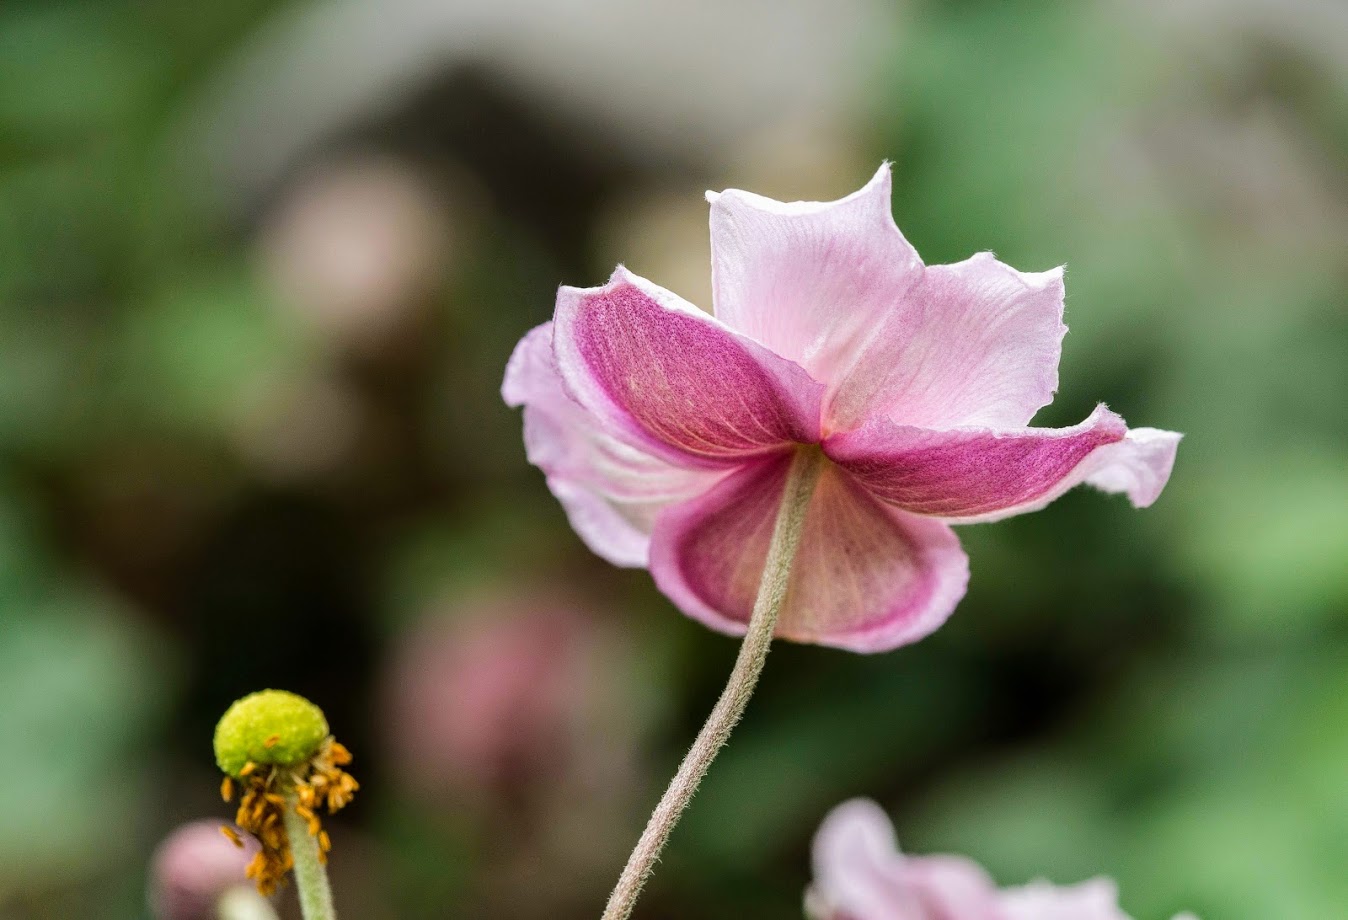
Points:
(800, 483)
(311, 876)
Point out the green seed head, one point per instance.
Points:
(270, 727)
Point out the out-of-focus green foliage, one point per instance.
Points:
(204, 491)
(83, 687)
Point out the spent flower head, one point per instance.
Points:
(268, 728)
(279, 758)
(668, 434)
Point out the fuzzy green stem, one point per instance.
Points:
(311, 876)
(800, 483)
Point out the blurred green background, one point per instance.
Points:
(261, 265)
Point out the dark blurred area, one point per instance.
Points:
(261, 267)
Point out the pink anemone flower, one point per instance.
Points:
(859, 874)
(667, 433)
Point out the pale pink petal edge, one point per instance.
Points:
(879, 186)
(569, 447)
(1093, 899)
(808, 279)
(854, 846)
(989, 358)
(1138, 466)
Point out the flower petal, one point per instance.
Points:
(666, 377)
(1097, 899)
(981, 474)
(867, 577)
(611, 491)
(809, 280)
(1139, 466)
(953, 886)
(859, 874)
(858, 870)
(974, 343)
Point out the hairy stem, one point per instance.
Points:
(311, 876)
(800, 483)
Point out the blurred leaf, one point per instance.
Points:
(81, 686)
(203, 349)
(69, 69)
(1242, 812)
(1272, 543)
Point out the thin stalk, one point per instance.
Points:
(311, 875)
(800, 483)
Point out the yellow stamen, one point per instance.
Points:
(265, 792)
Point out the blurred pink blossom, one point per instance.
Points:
(667, 433)
(193, 867)
(494, 696)
(517, 713)
(859, 874)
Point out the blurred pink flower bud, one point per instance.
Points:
(859, 874)
(193, 867)
(501, 694)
